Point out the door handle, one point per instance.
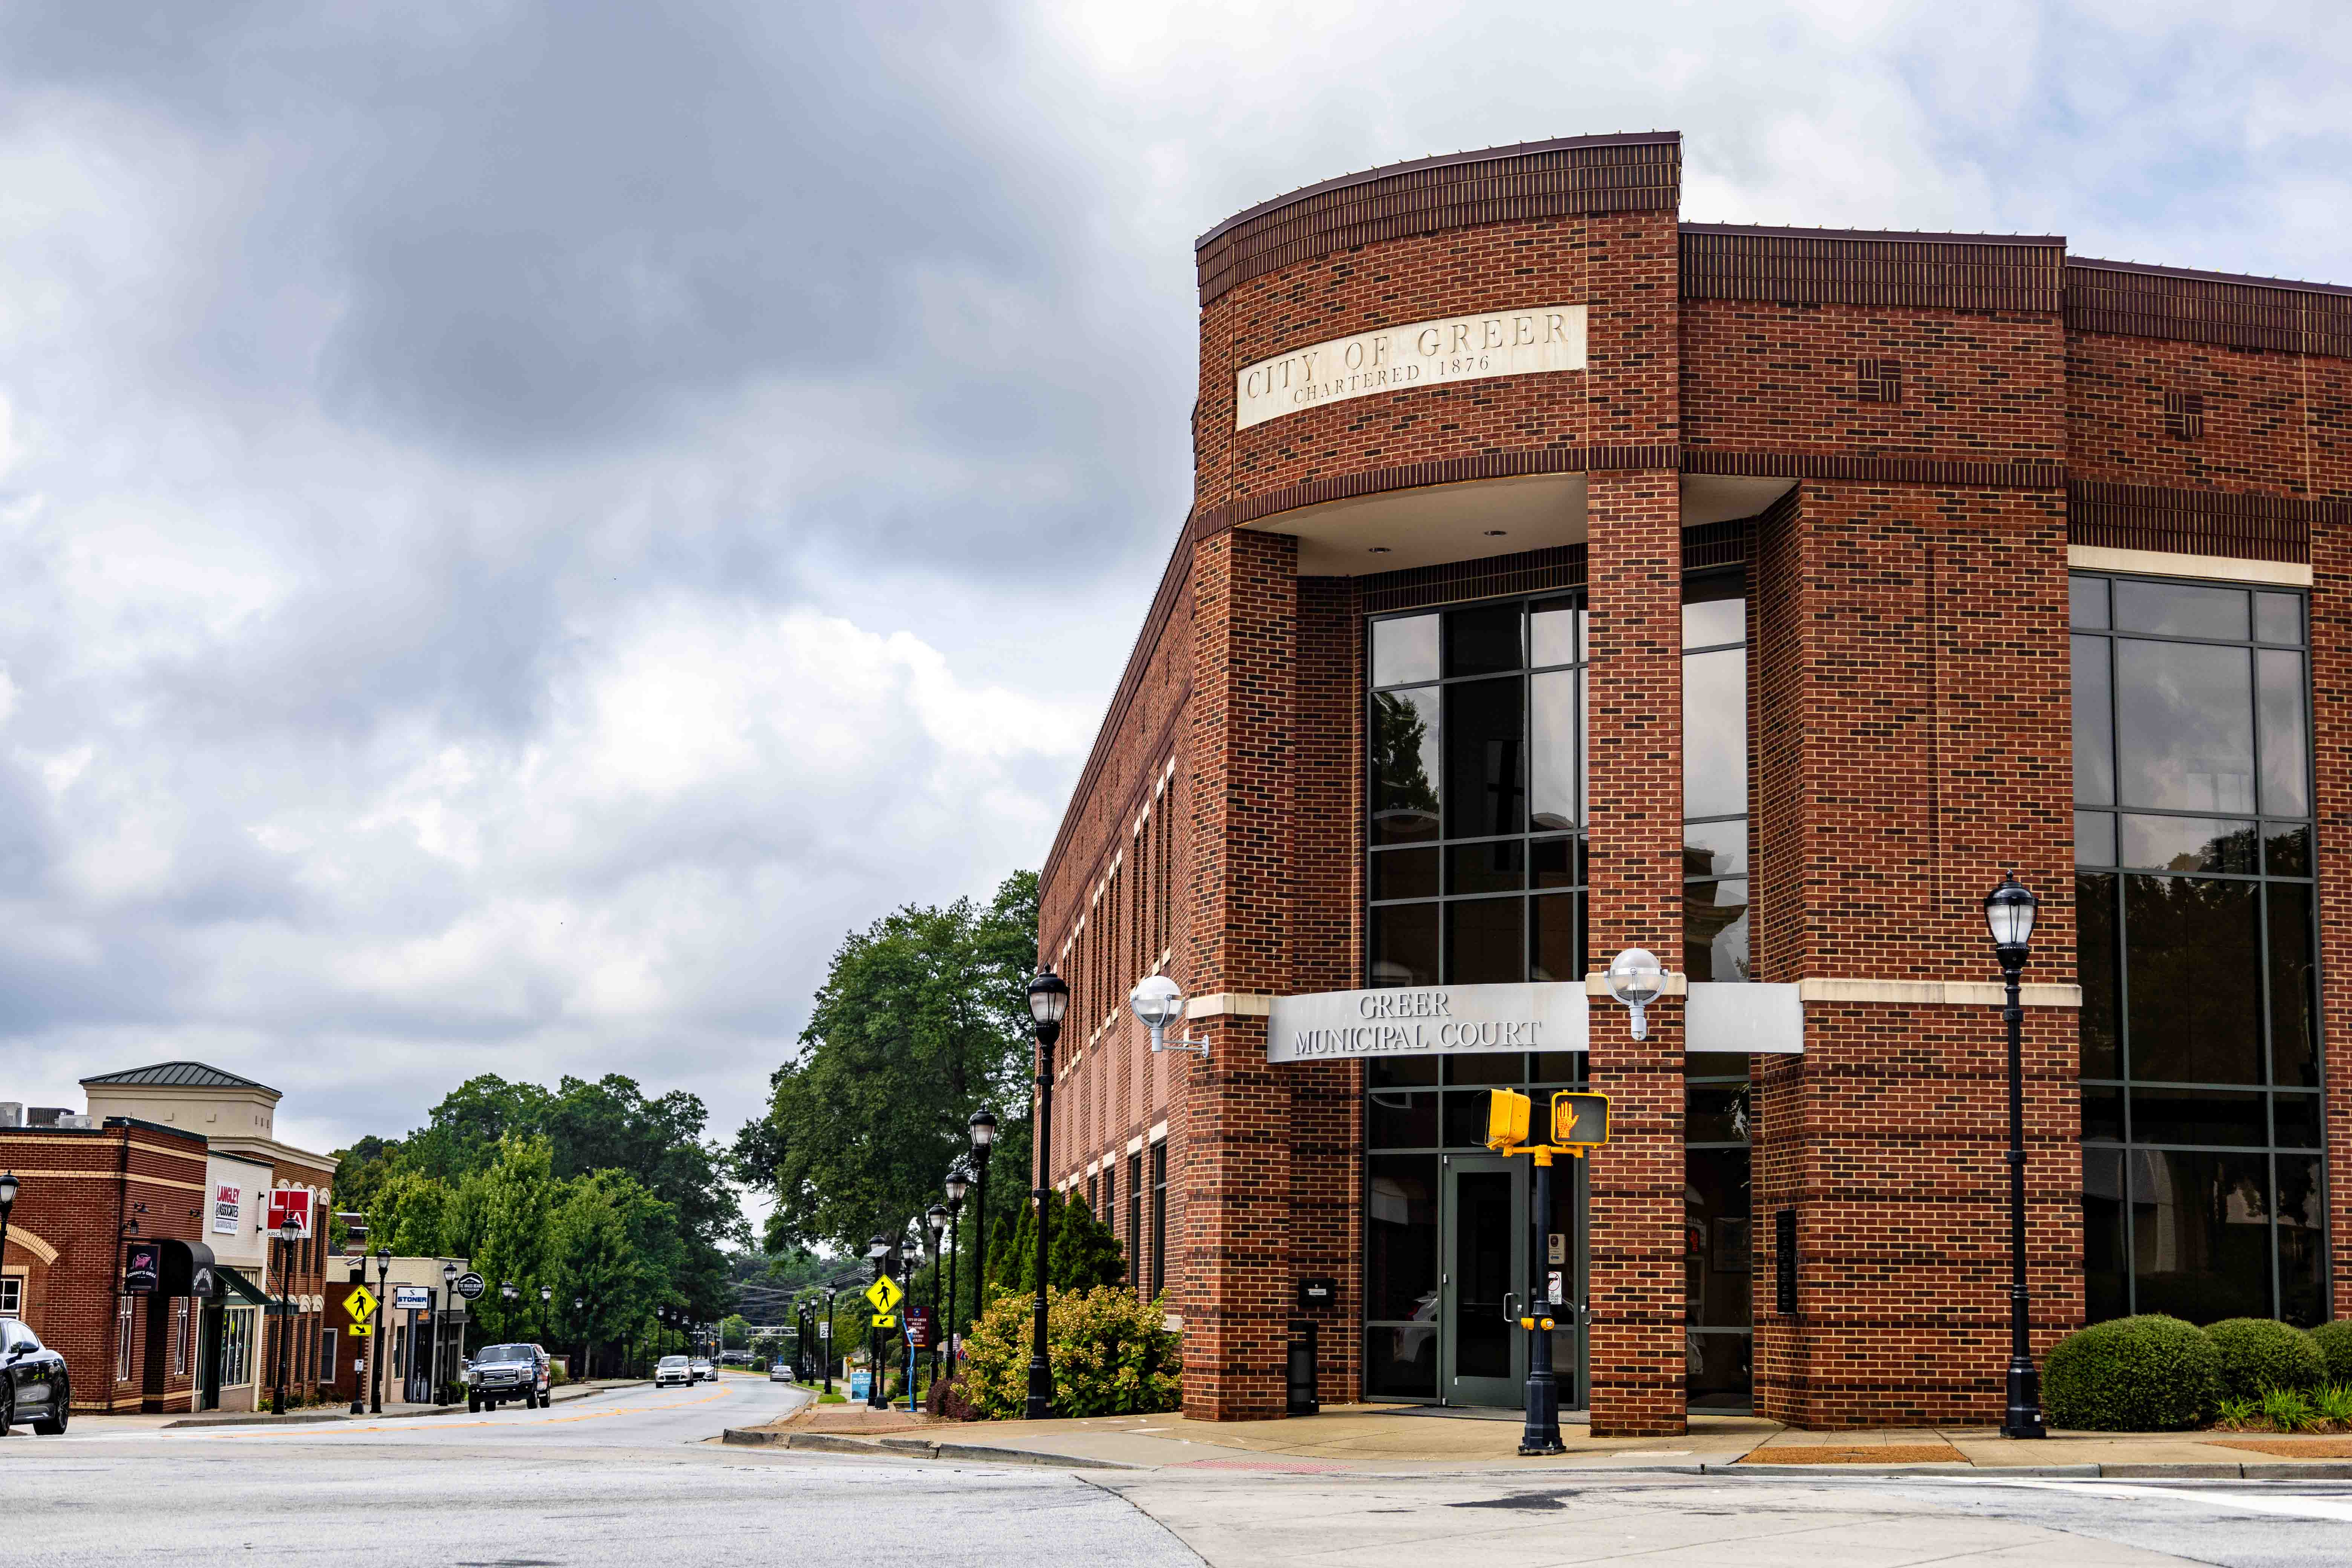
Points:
(1510, 1306)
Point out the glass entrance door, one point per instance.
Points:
(1485, 1227)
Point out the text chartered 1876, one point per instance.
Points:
(1397, 359)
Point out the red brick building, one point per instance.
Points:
(1562, 577)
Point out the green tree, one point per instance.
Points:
(921, 1020)
(515, 1200)
(600, 1260)
(1086, 1252)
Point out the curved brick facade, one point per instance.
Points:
(1933, 427)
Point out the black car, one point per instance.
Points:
(33, 1385)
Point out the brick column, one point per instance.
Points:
(1234, 1109)
(2331, 702)
(1635, 785)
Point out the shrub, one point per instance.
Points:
(1108, 1352)
(2334, 1343)
(2148, 1374)
(2258, 1354)
(2333, 1404)
(2288, 1410)
(1086, 1252)
(2236, 1414)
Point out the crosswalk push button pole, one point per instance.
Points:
(1541, 1433)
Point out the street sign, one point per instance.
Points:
(360, 1302)
(361, 1329)
(470, 1287)
(918, 1328)
(885, 1293)
(1579, 1121)
(412, 1298)
(885, 1320)
(825, 1330)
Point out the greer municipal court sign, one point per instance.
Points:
(1397, 359)
(1427, 1020)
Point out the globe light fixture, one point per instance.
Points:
(1636, 978)
(1157, 1002)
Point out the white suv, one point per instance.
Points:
(673, 1369)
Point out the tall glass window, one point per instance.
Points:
(1476, 794)
(1715, 776)
(2202, 1175)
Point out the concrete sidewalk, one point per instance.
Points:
(393, 1410)
(1420, 1440)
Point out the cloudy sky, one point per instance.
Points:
(524, 522)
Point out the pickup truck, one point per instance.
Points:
(501, 1372)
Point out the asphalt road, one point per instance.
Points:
(632, 1479)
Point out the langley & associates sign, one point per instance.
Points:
(1432, 1020)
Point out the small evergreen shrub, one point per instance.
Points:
(2289, 1410)
(1111, 1355)
(2258, 1354)
(2148, 1374)
(2334, 1343)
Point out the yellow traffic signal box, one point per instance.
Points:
(1580, 1120)
(1507, 1118)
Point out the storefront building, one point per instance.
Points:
(1562, 578)
(420, 1316)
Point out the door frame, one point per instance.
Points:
(1484, 1391)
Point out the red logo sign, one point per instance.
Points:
(289, 1203)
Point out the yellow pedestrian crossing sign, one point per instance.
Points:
(885, 1293)
(360, 1303)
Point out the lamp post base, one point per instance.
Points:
(2024, 1416)
(1541, 1433)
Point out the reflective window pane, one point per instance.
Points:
(2104, 1270)
(2180, 610)
(1551, 750)
(2301, 1243)
(1485, 1070)
(2278, 617)
(1404, 743)
(1555, 632)
(1715, 930)
(2103, 1115)
(1717, 1256)
(1396, 1119)
(2294, 1120)
(1399, 1072)
(1557, 937)
(1486, 789)
(1401, 1359)
(1715, 733)
(2202, 1116)
(2187, 844)
(2099, 970)
(1400, 1234)
(1715, 610)
(2184, 726)
(2295, 1007)
(1486, 942)
(2191, 970)
(1466, 1117)
(2200, 1234)
(1497, 866)
(2094, 838)
(1715, 1113)
(2286, 742)
(1402, 942)
(1715, 849)
(1404, 874)
(1483, 641)
(2286, 850)
(2086, 600)
(2094, 759)
(1404, 651)
(1556, 863)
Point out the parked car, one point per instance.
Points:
(780, 1371)
(501, 1372)
(33, 1384)
(673, 1369)
(704, 1372)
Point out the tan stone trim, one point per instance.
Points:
(1934, 993)
(1236, 1004)
(1597, 984)
(32, 1244)
(109, 1176)
(1158, 1130)
(2165, 563)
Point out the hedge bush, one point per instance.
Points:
(2148, 1374)
(1109, 1353)
(2334, 1343)
(2258, 1354)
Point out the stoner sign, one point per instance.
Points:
(1525, 342)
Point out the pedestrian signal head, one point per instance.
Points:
(1507, 1118)
(1580, 1120)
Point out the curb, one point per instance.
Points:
(910, 1449)
(240, 1419)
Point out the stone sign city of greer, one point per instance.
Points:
(1425, 354)
(1427, 1020)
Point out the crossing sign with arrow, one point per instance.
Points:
(885, 1294)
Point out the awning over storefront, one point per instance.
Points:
(235, 1284)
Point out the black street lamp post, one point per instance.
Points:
(936, 1218)
(877, 1253)
(825, 1336)
(289, 1233)
(377, 1353)
(7, 1201)
(587, 1342)
(546, 1320)
(2009, 914)
(448, 1324)
(1049, 998)
(958, 1183)
(984, 1139)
